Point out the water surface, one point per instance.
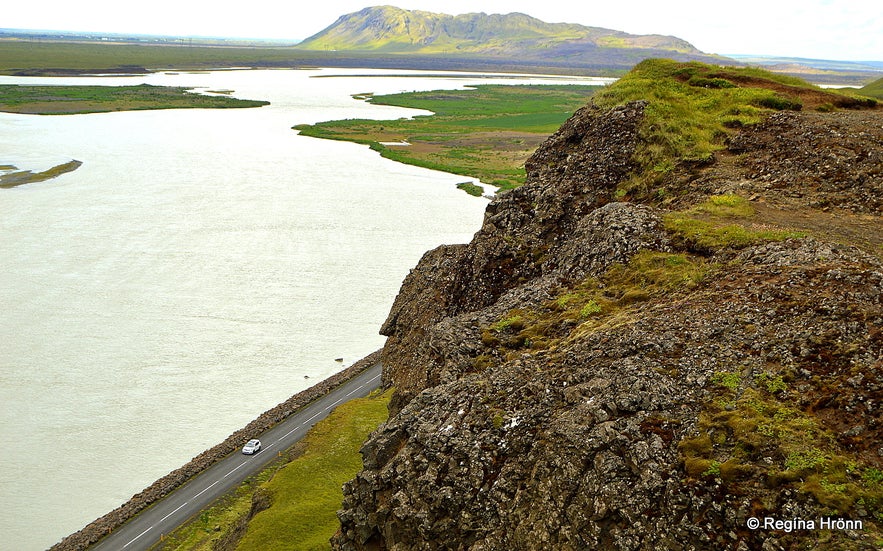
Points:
(199, 268)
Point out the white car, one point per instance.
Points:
(251, 447)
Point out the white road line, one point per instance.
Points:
(172, 513)
(353, 391)
(234, 470)
(207, 489)
(138, 536)
(287, 434)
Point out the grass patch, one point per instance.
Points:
(595, 301)
(486, 132)
(726, 206)
(306, 493)
(471, 189)
(704, 235)
(214, 523)
(721, 222)
(55, 100)
(693, 107)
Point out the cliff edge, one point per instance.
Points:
(675, 327)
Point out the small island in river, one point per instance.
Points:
(65, 100)
(15, 177)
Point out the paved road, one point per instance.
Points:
(144, 530)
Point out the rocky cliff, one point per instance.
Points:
(606, 366)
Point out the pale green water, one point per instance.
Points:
(188, 277)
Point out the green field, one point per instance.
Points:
(486, 132)
(36, 58)
(29, 57)
(54, 100)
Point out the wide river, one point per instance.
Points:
(200, 267)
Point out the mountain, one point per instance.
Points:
(668, 335)
(387, 29)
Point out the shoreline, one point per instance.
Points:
(104, 525)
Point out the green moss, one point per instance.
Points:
(589, 309)
(514, 322)
(756, 432)
(711, 235)
(728, 380)
(714, 469)
(873, 477)
(772, 383)
(497, 419)
(596, 301)
(804, 460)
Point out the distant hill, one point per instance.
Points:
(391, 30)
(817, 71)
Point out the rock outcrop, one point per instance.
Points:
(578, 377)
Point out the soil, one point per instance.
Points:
(819, 172)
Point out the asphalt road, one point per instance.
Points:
(146, 529)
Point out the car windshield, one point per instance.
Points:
(252, 443)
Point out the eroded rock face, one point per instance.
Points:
(525, 236)
(625, 433)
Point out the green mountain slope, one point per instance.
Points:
(393, 30)
(874, 89)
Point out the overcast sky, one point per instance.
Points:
(824, 29)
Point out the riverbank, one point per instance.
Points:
(485, 132)
(102, 526)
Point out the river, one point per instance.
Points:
(200, 267)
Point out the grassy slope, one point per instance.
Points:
(486, 133)
(693, 107)
(306, 494)
(874, 89)
(51, 100)
(303, 494)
